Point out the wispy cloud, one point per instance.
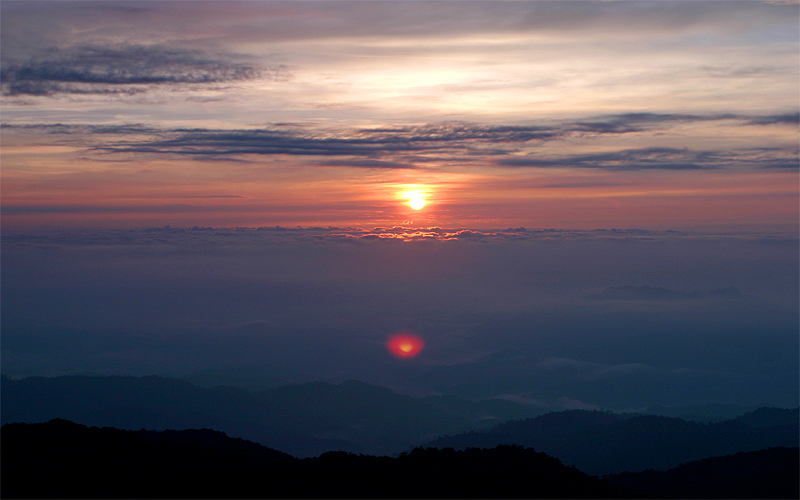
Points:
(124, 68)
(628, 159)
(638, 122)
(788, 118)
(409, 147)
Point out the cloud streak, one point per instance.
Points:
(411, 147)
(455, 138)
(124, 68)
(628, 159)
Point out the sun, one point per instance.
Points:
(404, 345)
(416, 201)
(414, 195)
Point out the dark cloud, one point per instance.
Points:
(451, 138)
(454, 131)
(636, 122)
(114, 69)
(660, 158)
(669, 117)
(788, 119)
(781, 164)
(628, 159)
(622, 123)
(77, 128)
(264, 142)
(414, 146)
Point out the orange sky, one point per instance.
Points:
(306, 114)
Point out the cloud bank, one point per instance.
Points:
(404, 147)
(123, 69)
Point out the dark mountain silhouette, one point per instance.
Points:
(713, 412)
(309, 419)
(304, 420)
(770, 418)
(770, 473)
(61, 459)
(603, 443)
(153, 403)
(372, 419)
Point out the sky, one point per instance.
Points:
(220, 190)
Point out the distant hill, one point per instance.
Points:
(770, 418)
(770, 473)
(61, 459)
(700, 413)
(152, 403)
(603, 442)
(304, 420)
(309, 419)
(372, 419)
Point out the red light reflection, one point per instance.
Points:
(404, 345)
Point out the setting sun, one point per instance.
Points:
(417, 201)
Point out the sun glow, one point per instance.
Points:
(417, 201)
(415, 197)
(404, 345)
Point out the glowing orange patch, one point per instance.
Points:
(404, 345)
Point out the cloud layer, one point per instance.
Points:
(399, 146)
(124, 69)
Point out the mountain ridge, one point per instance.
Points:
(768, 473)
(300, 419)
(604, 442)
(62, 459)
(306, 420)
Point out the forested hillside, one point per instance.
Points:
(771, 473)
(604, 443)
(61, 459)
